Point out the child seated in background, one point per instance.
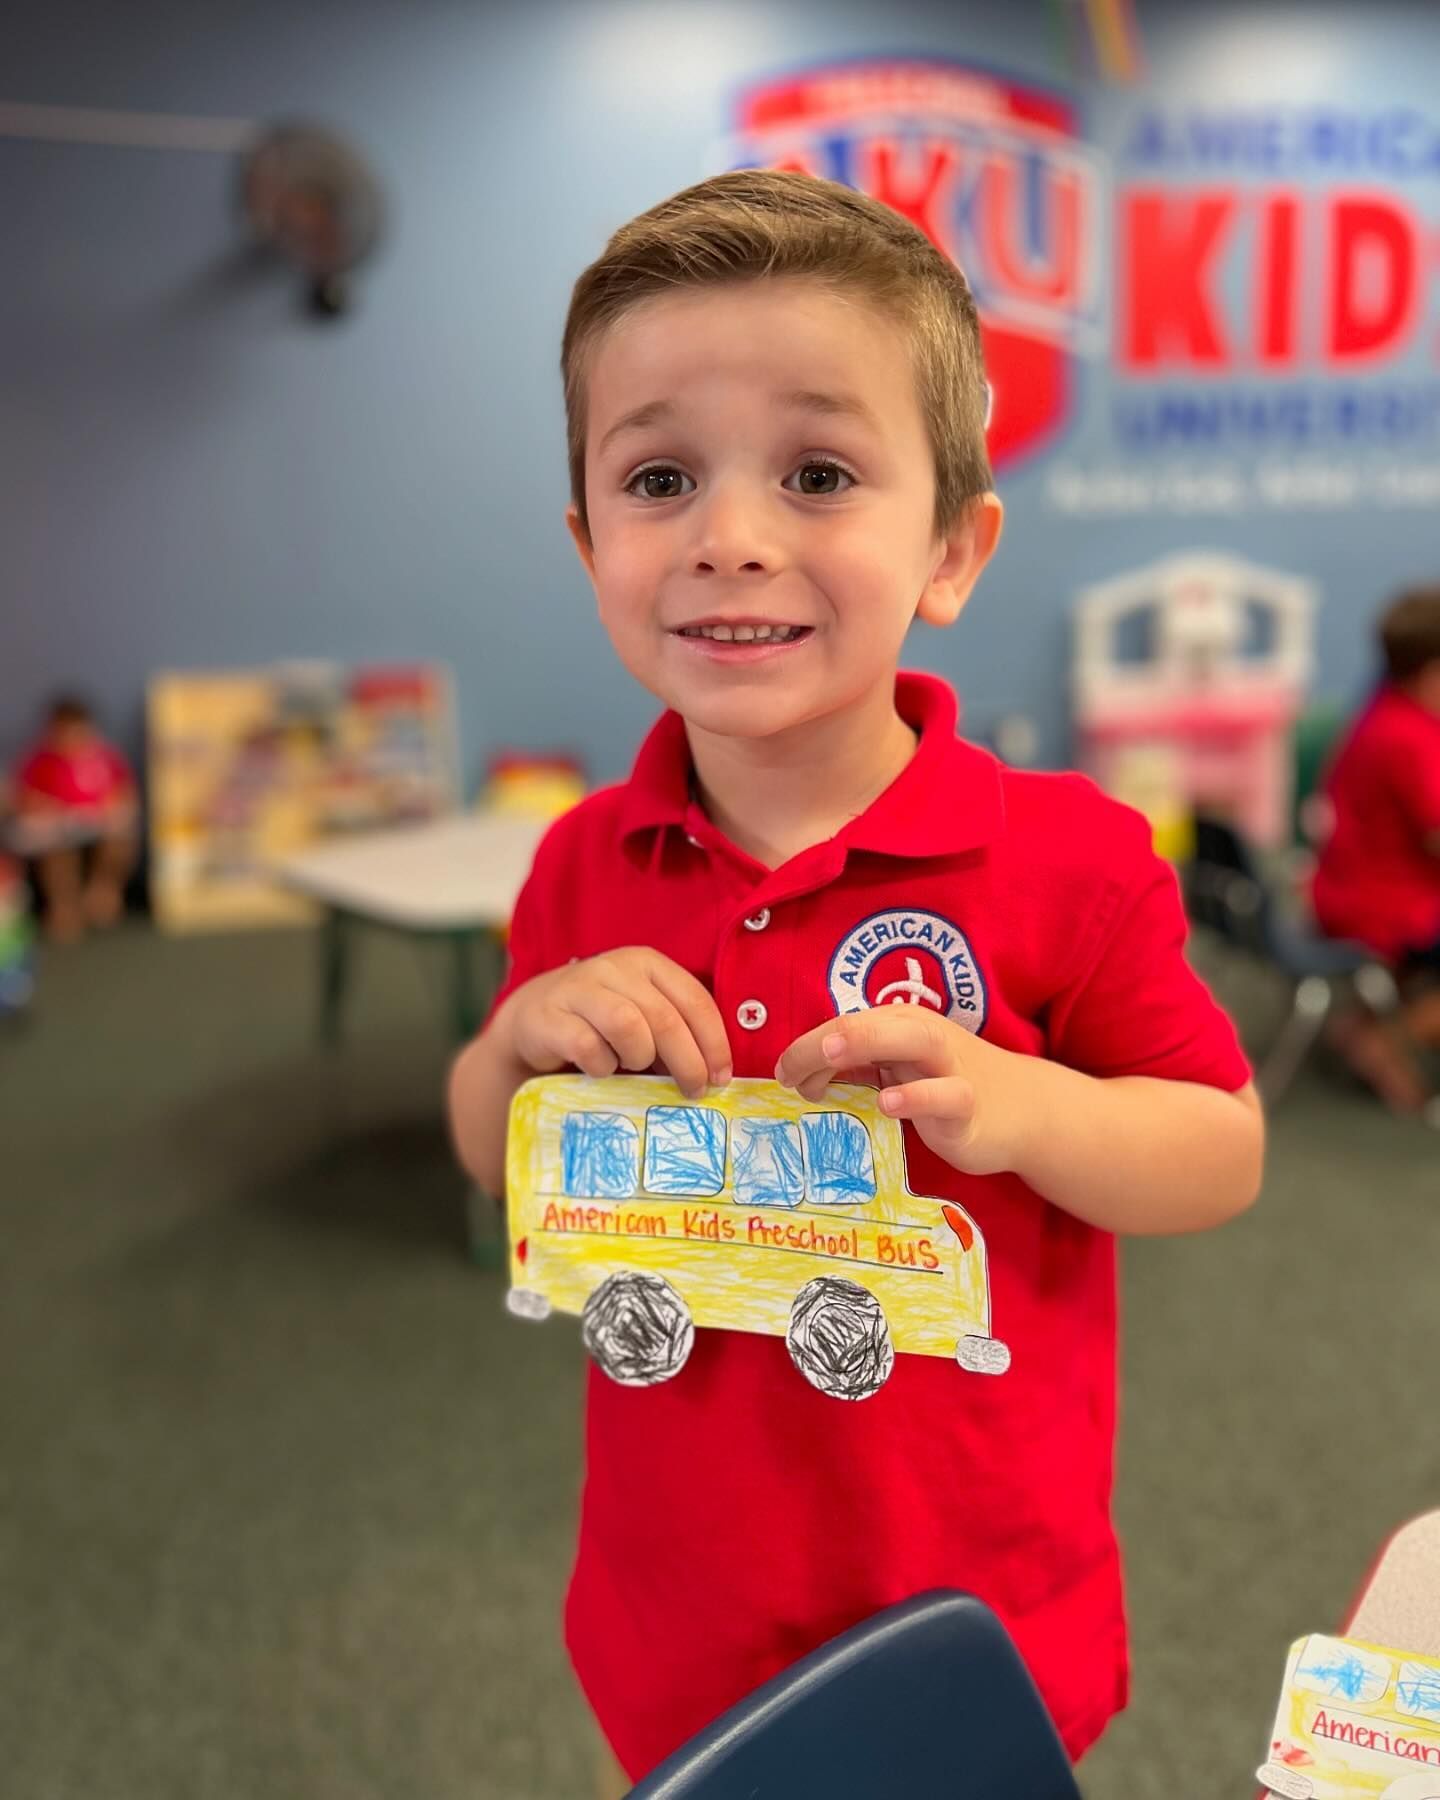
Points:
(1378, 876)
(777, 402)
(73, 791)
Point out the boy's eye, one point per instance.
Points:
(660, 482)
(820, 476)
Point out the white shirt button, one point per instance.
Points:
(692, 840)
(751, 1014)
(758, 920)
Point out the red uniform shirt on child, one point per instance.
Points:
(734, 1518)
(1377, 881)
(88, 779)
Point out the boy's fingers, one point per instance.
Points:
(893, 1034)
(948, 1097)
(813, 1088)
(581, 1044)
(676, 1046)
(881, 1034)
(696, 1006)
(803, 1060)
(631, 1013)
(622, 1024)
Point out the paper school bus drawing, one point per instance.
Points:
(753, 1209)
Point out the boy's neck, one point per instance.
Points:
(776, 796)
(1424, 688)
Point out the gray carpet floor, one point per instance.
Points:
(286, 1501)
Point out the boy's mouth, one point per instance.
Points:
(748, 638)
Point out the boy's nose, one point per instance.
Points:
(733, 536)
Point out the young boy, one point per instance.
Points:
(1378, 875)
(776, 408)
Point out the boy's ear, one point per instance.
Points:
(968, 547)
(581, 537)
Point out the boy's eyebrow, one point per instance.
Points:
(636, 420)
(835, 405)
(795, 400)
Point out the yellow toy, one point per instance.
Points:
(752, 1209)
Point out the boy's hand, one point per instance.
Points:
(627, 1009)
(968, 1099)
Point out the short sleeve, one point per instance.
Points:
(1134, 1005)
(534, 942)
(1414, 774)
(39, 773)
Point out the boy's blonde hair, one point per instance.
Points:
(757, 223)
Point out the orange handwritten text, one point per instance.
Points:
(788, 1234)
(603, 1219)
(905, 1256)
(705, 1222)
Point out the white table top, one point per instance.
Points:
(451, 874)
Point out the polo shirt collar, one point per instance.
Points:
(945, 801)
(658, 791)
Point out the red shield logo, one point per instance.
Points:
(996, 176)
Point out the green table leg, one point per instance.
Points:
(334, 969)
(472, 996)
(467, 1000)
(485, 1216)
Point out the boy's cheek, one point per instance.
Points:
(617, 616)
(627, 594)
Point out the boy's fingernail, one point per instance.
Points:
(722, 1076)
(780, 1072)
(833, 1046)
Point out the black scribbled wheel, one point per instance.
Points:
(637, 1329)
(838, 1338)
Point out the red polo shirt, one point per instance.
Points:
(734, 1518)
(87, 779)
(1377, 881)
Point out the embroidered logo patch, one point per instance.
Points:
(902, 958)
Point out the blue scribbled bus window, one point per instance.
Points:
(838, 1156)
(767, 1165)
(684, 1150)
(600, 1155)
(1417, 1691)
(1334, 1668)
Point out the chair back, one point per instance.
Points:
(1225, 889)
(929, 1700)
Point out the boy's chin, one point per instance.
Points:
(740, 715)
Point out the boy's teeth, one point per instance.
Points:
(742, 634)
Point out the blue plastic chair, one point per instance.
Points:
(1226, 891)
(926, 1701)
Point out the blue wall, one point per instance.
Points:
(194, 476)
